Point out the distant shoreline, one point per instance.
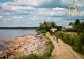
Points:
(18, 27)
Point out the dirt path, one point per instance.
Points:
(62, 50)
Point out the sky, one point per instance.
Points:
(26, 13)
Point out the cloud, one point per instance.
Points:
(80, 3)
(48, 3)
(58, 9)
(1, 17)
(5, 6)
(41, 3)
(22, 8)
(16, 17)
(11, 6)
(21, 12)
(81, 13)
(52, 12)
(32, 12)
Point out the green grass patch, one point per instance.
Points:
(73, 39)
(48, 51)
(31, 56)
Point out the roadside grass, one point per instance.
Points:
(48, 51)
(73, 39)
(31, 56)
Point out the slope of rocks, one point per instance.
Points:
(24, 45)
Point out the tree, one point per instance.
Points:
(53, 24)
(70, 23)
(77, 22)
(80, 27)
(45, 26)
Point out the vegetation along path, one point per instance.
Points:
(62, 50)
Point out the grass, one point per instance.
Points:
(48, 51)
(73, 39)
(31, 56)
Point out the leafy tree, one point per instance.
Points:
(71, 23)
(77, 25)
(77, 22)
(53, 24)
(45, 26)
(80, 27)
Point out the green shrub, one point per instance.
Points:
(31, 56)
(48, 51)
(82, 39)
(73, 39)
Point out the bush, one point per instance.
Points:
(45, 26)
(47, 53)
(31, 56)
(73, 39)
(82, 39)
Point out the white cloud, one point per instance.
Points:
(48, 3)
(17, 17)
(5, 6)
(40, 3)
(1, 17)
(22, 8)
(57, 8)
(42, 9)
(81, 13)
(13, 6)
(52, 12)
(80, 3)
(31, 2)
(21, 12)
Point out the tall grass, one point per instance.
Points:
(31, 56)
(48, 51)
(73, 39)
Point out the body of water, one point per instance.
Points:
(7, 34)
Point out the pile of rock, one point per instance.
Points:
(26, 45)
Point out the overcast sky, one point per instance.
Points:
(32, 12)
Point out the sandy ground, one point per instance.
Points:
(62, 50)
(24, 45)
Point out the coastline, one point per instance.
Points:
(23, 45)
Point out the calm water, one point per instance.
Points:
(6, 34)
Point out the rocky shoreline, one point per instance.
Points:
(24, 45)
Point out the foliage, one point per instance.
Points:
(73, 39)
(77, 22)
(48, 51)
(78, 26)
(71, 30)
(53, 24)
(31, 56)
(71, 23)
(45, 26)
